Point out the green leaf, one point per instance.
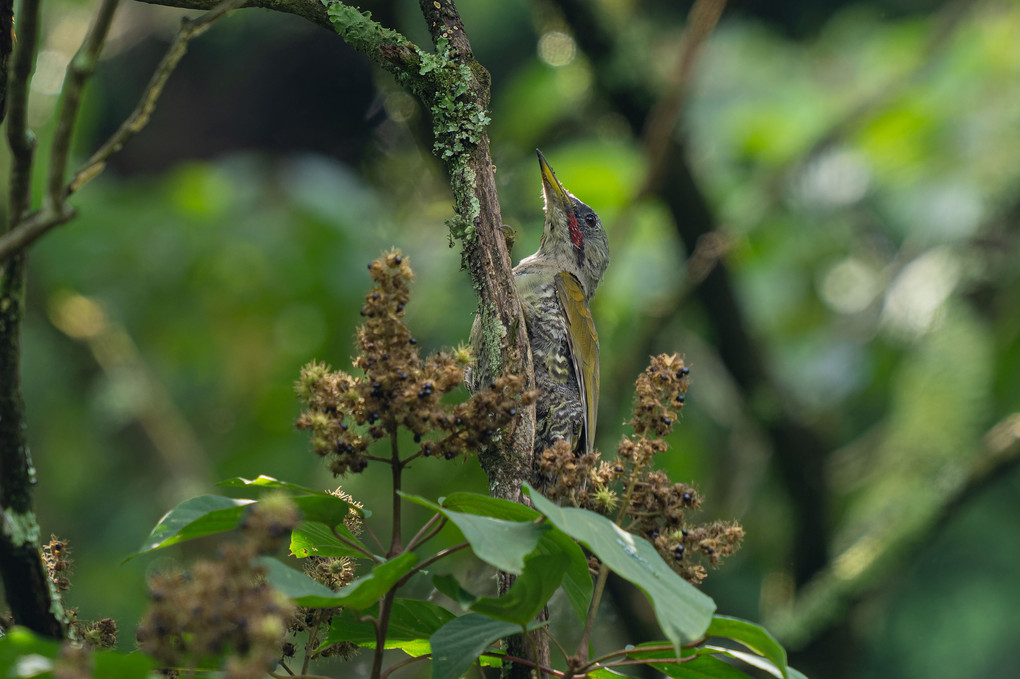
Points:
(110, 665)
(265, 482)
(701, 667)
(359, 594)
(297, 586)
(411, 624)
(745, 657)
(458, 643)
(448, 585)
(577, 582)
(194, 518)
(497, 542)
(327, 509)
(530, 592)
(484, 505)
(683, 612)
(316, 539)
(24, 654)
(752, 636)
(269, 482)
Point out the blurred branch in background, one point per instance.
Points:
(952, 15)
(662, 119)
(865, 566)
(85, 320)
(798, 452)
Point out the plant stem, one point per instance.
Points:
(420, 538)
(381, 627)
(397, 470)
(386, 603)
(313, 635)
(404, 663)
(353, 545)
(428, 562)
(600, 582)
(589, 622)
(530, 663)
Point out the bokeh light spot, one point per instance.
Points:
(556, 48)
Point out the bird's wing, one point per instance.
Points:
(583, 342)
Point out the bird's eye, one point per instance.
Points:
(590, 220)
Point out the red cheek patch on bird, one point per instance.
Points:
(576, 237)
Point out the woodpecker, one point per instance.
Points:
(555, 286)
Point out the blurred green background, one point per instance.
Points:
(859, 166)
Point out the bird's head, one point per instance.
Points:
(573, 235)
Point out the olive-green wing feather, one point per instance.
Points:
(584, 349)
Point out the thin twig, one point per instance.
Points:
(701, 21)
(589, 622)
(404, 663)
(375, 538)
(428, 562)
(310, 644)
(420, 538)
(381, 628)
(354, 545)
(56, 212)
(396, 538)
(527, 662)
(79, 70)
(190, 28)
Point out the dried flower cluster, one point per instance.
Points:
(224, 606)
(334, 572)
(655, 506)
(84, 634)
(56, 556)
(346, 414)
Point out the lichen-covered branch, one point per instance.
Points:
(454, 87)
(29, 592)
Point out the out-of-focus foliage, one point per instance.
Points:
(865, 178)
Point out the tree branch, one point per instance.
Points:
(6, 47)
(822, 602)
(312, 10)
(31, 595)
(798, 452)
(56, 211)
(79, 70)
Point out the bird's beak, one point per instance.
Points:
(556, 197)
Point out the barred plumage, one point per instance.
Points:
(555, 285)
